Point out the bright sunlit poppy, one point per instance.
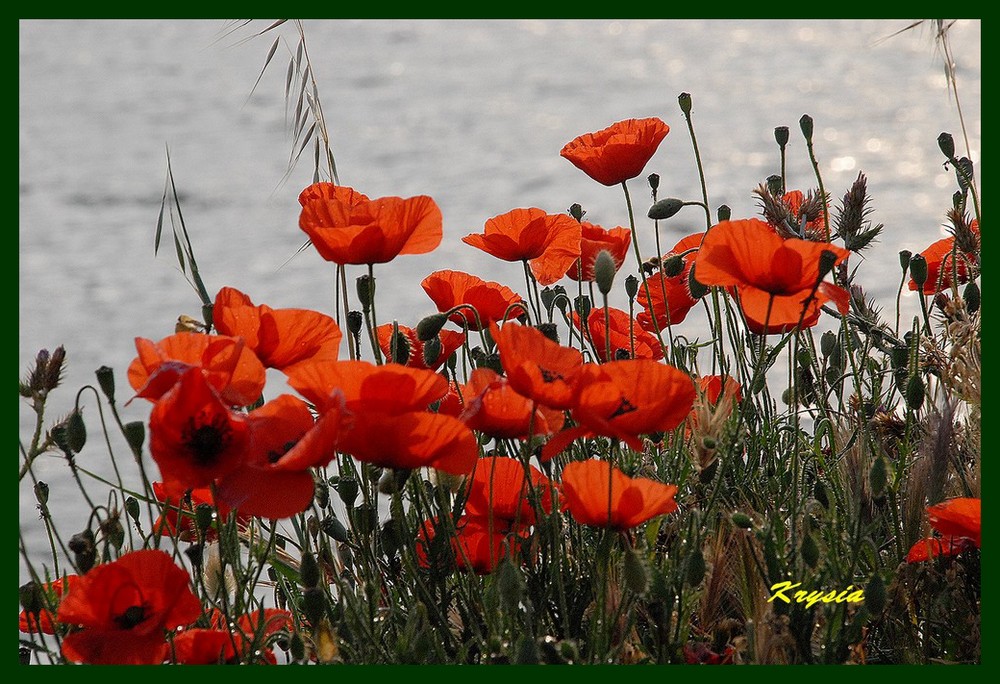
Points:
(598, 494)
(474, 546)
(593, 240)
(490, 300)
(124, 608)
(945, 261)
(493, 407)
(617, 153)
(626, 339)
(537, 367)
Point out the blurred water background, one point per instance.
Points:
(470, 112)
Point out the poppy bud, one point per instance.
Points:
(333, 528)
(106, 379)
(583, 306)
(810, 552)
(724, 212)
(973, 297)
(204, 516)
(132, 508)
(321, 492)
(673, 266)
(510, 583)
(695, 568)
(635, 575)
(963, 172)
(31, 598)
(631, 286)
(604, 271)
(429, 326)
(355, 320)
(774, 185)
(654, 182)
(41, 492)
(697, 289)
(60, 435)
(947, 144)
(297, 648)
(781, 136)
(664, 208)
(806, 124)
(819, 492)
(84, 551)
(549, 330)
(366, 292)
(622, 354)
(347, 489)
(684, 100)
(399, 347)
(918, 269)
(742, 520)
(76, 431)
(915, 392)
(313, 604)
(904, 259)
(576, 211)
(875, 595)
(312, 526)
(309, 570)
(432, 351)
(804, 357)
(135, 434)
(827, 260)
(877, 477)
(492, 361)
(113, 532)
(365, 519)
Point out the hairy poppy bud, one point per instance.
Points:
(684, 100)
(429, 326)
(297, 648)
(30, 595)
(82, 545)
(695, 568)
(915, 392)
(810, 552)
(631, 286)
(604, 271)
(576, 211)
(432, 351)
(673, 266)
(918, 269)
(76, 431)
(742, 520)
(106, 379)
(365, 519)
(634, 573)
(947, 144)
(806, 124)
(321, 492)
(827, 260)
(654, 182)
(877, 477)
(875, 595)
(313, 604)
(781, 136)
(724, 212)
(399, 347)
(664, 208)
(819, 492)
(333, 528)
(204, 516)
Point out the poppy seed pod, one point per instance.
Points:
(684, 100)
(904, 259)
(781, 136)
(582, 305)
(576, 211)
(355, 320)
(918, 269)
(947, 144)
(366, 291)
(806, 124)
(724, 212)
(631, 286)
(604, 271)
(665, 208)
(654, 182)
(106, 379)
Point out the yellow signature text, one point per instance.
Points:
(781, 590)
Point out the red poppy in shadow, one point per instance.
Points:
(245, 642)
(391, 426)
(627, 339)
(777, 279)
(593, 240)
(596, 493)
(550, 243)
(176, 518)
(450, 340)
(670, 295)
(279, 337)
(617, 153)
(472, 547)
(958, 521)
(944, 261)
(230, 367)
(43, 621)
(124, 607)
(490, 300)
(498, 488)
(347, 228)
(494, 408)
(537, 367)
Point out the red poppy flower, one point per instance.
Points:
(124, 608)
(593, 240)
(498, 488)
(452, 404)
(618, 152)
(450, 340)
(625, 336)
(194, 437)
(550, 243)
(934, 547)
(944, 261)
(714, 387)
(328, 191)
(494, 408)
(242, 643)
(347, 228)
(177, 511)
(490, 300)
(537, 367)
(279, 337)
(811, 230)
(230, 367)
(388, 404)
(700, 653)
(474, 546)
(625, 399)
(778, 280)
(628, 503)
(43, 622)
(958, 521)
(670, 295)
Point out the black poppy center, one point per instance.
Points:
(208, 440)
(275, 456)
(132, 616)
(550, 376)
(624, 407)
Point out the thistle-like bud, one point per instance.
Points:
(53, 372)
(781, 136)
(904, 259)
(918, 269)
(806, 124)
(429, 326)
(664, 208)
(106, 379)
(549, 330)
(366, 292)
(604, 271)
(576, 211)
(684, 100)
(654, 182)
(947, 144)
(355, 319)
(724, 212)
(673, 266)
(631, 286)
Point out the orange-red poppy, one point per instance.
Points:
(958, 521)
(124, 608)
(347, 228)
(490, 300)
(230, 367)
(177, 511)
(550, 243)
(617, 153)
(474, 546)
(499, 489)
(325, 190)
(222, 644)
(598, 494)
(279, 337)
(627, 338)
(715, 387)
(391, 426)
(777, 279)
(537, 367)
(493, 407)
(944, 262)
(938, 547)
(194, 437)
(811, 230)
(625, 399)
(44, 622)
(593, 240)
(450, 340)
(670, 295)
